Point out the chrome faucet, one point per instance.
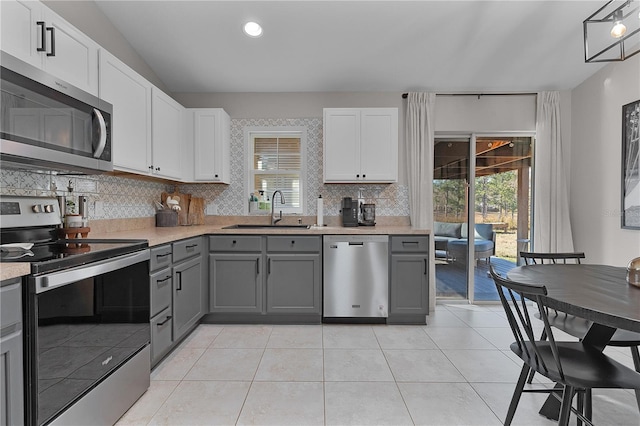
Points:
(274, 219)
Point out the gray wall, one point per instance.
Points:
(597, 148)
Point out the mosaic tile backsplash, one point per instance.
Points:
(128, 198)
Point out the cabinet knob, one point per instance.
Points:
(216, 175)
(357, 176)
(151, 167)
(158, 169)
(364, 176)
(233, 242)
(293, 241)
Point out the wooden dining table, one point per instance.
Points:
(598, 293)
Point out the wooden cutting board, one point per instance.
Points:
(183, 214)
(196, 211)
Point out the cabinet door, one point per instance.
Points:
(293, 283)
(211, 145)
(409, 284)
(187, 279)
(11, 362)
(341, 149)
(161, 335)
(379, 145)
(11, 382)
(235, 283)
(167, 135)
(76, 55)
(20, 34)
(130, 95)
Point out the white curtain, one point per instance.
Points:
(552, 227)
(419, 157)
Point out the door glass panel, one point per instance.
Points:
(500, 212)
(501, 208)
(450, 201)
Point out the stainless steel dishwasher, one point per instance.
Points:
(356, 276)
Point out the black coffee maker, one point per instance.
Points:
(349, 212)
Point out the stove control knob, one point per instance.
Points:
(37, 208)
(48, 208)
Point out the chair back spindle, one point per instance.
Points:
(533, 258)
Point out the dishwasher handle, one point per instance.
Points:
(356, 243)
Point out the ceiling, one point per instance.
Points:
(359, 46)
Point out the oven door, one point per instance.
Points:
(83, 324)
(47, 122)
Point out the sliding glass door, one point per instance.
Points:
(481, 211)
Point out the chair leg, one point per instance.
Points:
(580, 407)
(588, 407)
(543, 337)
(636, 363)
(517, 393)
(565, 408)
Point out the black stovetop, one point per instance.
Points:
(62, 254)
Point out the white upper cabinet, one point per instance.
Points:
(212, 143)
(20, 34)
(168, 135)
(35, 34)
(130, 95)
(360, 145)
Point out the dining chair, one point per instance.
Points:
(575, 367)
(578, 327)
(532, 258)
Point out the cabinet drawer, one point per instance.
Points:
(293, 244)
(160, 257)
(186, 249)
(10, 302)
(235, 243)
(161, 335)
(161, 285)
(409, 244)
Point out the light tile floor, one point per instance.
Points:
(457, 370)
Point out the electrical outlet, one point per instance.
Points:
(98, 209)
(211, 210)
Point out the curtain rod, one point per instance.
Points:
(405, 95)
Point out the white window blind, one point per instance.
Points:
(276, 164)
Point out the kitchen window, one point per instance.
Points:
(276, 162)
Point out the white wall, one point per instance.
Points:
(596, 126)
(88, 18)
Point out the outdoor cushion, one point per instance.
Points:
(447, 229)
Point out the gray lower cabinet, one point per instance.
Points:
(161, 284)
(265, 278)
(11, 367)
(409, 280)
(294, 275)
(187, 282)
(235, 282)
(177, 281)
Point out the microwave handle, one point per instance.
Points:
(102, 135)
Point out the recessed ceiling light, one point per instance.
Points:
(252, 29)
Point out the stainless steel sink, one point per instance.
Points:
(264, 226)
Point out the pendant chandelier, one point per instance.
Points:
(612, 33)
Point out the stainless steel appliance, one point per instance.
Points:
(47, 123)
(86, 317)
(356, 276)
(368, 214)
(349, 212)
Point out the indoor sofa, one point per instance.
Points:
(451, 238)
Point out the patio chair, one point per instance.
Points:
(575, 326)
(577, 369)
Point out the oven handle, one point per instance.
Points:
(58, 279)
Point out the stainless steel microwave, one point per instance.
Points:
(49, 124)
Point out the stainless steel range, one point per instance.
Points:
(86, 317)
